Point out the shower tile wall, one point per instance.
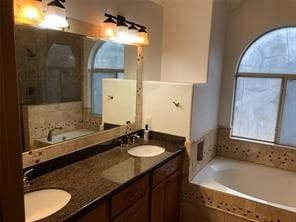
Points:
(44, 73)
(265, 154)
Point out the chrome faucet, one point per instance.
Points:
(49, 135)
(129, 139)
(26, 180)
(133, 138)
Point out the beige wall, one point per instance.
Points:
(141, 11)
(159, 111)
(247, 22)
(205, 105)
(186, 40)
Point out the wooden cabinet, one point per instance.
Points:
(165, 199)
(99, 214)
(166, 170)
(137, 212)
(129, 195)
(133, 203)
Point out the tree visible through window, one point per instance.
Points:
(108, 62)
(265, 96)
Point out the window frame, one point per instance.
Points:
(282, 97)
(93, 71)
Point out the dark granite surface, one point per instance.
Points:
(91, 180)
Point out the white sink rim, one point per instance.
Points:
(146, 151)
(54, 199)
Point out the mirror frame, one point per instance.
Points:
(40, 155)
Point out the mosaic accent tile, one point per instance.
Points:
(39, 119)
(191, 162)
(265, 154)
(191, 212)
(234, 205)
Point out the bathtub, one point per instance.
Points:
(61, 137)
(255, 182)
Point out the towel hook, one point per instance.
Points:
(111, 97)
(177, 104)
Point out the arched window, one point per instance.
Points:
(107, 62)
(265, 96)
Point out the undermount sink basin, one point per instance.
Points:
(42, 203)
(146, 151)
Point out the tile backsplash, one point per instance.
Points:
(265, 154)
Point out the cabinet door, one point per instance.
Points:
(97, 215)
(165, 200)
(172, 198)
(136, 213)
(158, 202)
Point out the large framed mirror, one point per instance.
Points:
(72, 86)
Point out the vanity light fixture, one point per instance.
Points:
(55, 15)
(133, 32)
(143, 36)
(110, 27)
(118, 29)
(122, 30)
(29, 11)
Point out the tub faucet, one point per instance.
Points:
(26, 180)
(49, 135)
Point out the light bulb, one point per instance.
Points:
(122, 35)
(133, 34)
(55, 18)
(143, 37)
(109, 28)
(29, 11)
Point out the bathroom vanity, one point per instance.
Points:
(116, 186)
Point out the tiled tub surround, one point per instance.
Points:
(39, 119)
(256, 182)
(269, 155)
(207, 148)
(93, 179)
(214, 206)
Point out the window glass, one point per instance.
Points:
(256, 108)
(288, 129)
(110, 55)
(274, 52)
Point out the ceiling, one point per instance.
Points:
(230, 4)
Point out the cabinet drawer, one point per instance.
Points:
(166, 170)
(137, 212)
(99, 214)
(129, 195)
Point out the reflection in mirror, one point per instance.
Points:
(71, 85)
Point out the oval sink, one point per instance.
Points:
(146, 151)
(43, 203)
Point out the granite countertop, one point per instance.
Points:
(95, 178)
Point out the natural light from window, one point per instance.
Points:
(265, 96)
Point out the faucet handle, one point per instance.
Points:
(27, 172)
(135, 137)
(26, 181)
